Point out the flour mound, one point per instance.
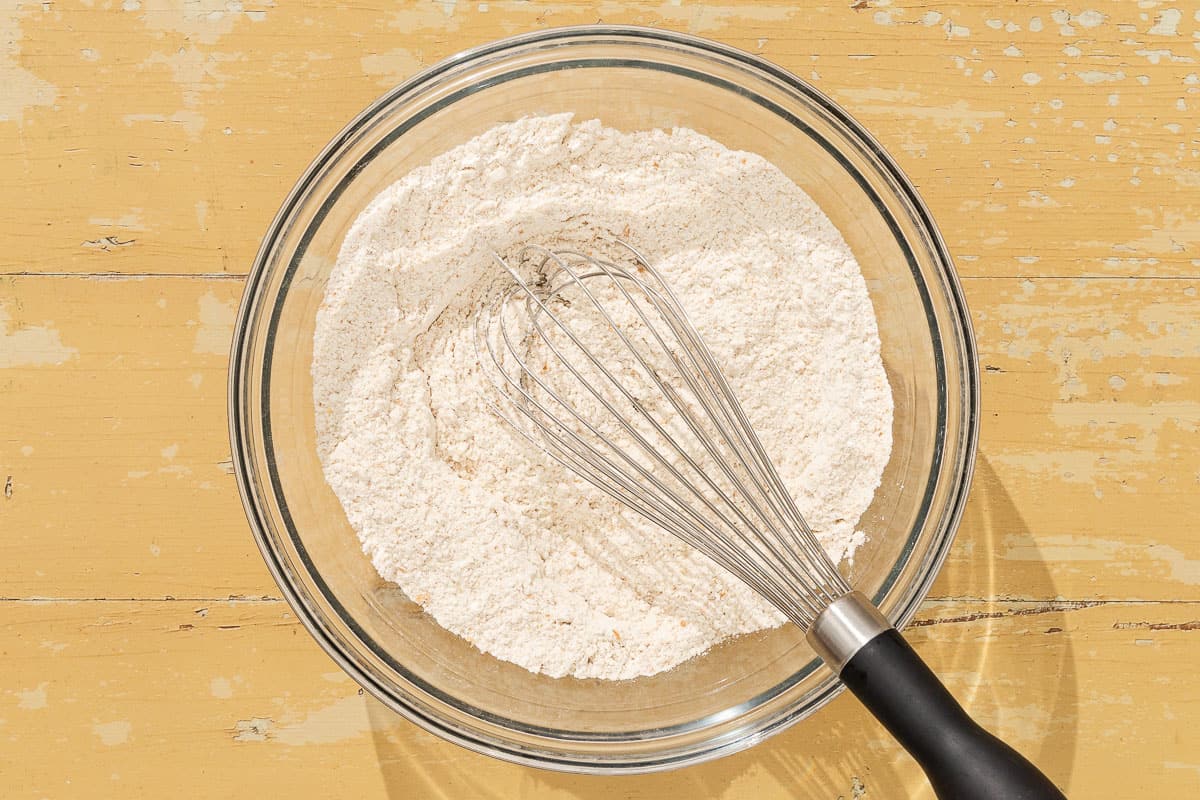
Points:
(498, 543)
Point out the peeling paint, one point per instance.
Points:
(1166, 23)
(256, 729)
(1063, 18)
(1093, 76)
(130, 221)
(1172, 564)
(107, 244)
(344, 719)
(1181, 568)
(32, 699)
(903, 104)
(31, 345)
(112, 733)
(203, 21)
(216, 325)
(22, 90)
(192, 122)
(193, 69)
(393, 66)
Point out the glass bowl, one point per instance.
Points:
(630, 78)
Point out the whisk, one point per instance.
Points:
(595, 362)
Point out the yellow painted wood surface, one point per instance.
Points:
(145, 146)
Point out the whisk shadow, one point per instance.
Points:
(1008, 659)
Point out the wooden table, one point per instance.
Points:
(146, 651)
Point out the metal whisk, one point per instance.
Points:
(595, 362)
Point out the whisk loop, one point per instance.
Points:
(595, 362)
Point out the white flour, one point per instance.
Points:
(496, 542)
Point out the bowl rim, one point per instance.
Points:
(739, 738)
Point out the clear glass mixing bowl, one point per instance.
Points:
(629, 78)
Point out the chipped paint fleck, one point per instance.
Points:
(341, 720)
(1166, 23)
(31, 345)
(392, 67)
(905, 104)
(1091, 76)
(32, 699)
(112, 733)
(191, 122)
(130, 221)
(256, 729)
(215, 331)
(1063, 18)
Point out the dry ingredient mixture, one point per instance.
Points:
(499, 544)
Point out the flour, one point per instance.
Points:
(499, 544)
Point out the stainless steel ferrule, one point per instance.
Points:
(844, 627)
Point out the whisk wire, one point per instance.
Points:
(781, 570)
(578, 455)
(726, 413)
(670, 311)
(751, 524)
(776, 561)
(730, 407)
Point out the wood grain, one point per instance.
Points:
(147, 144)
(185, 699)
(1018, 138)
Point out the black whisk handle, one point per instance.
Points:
(960, 758)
